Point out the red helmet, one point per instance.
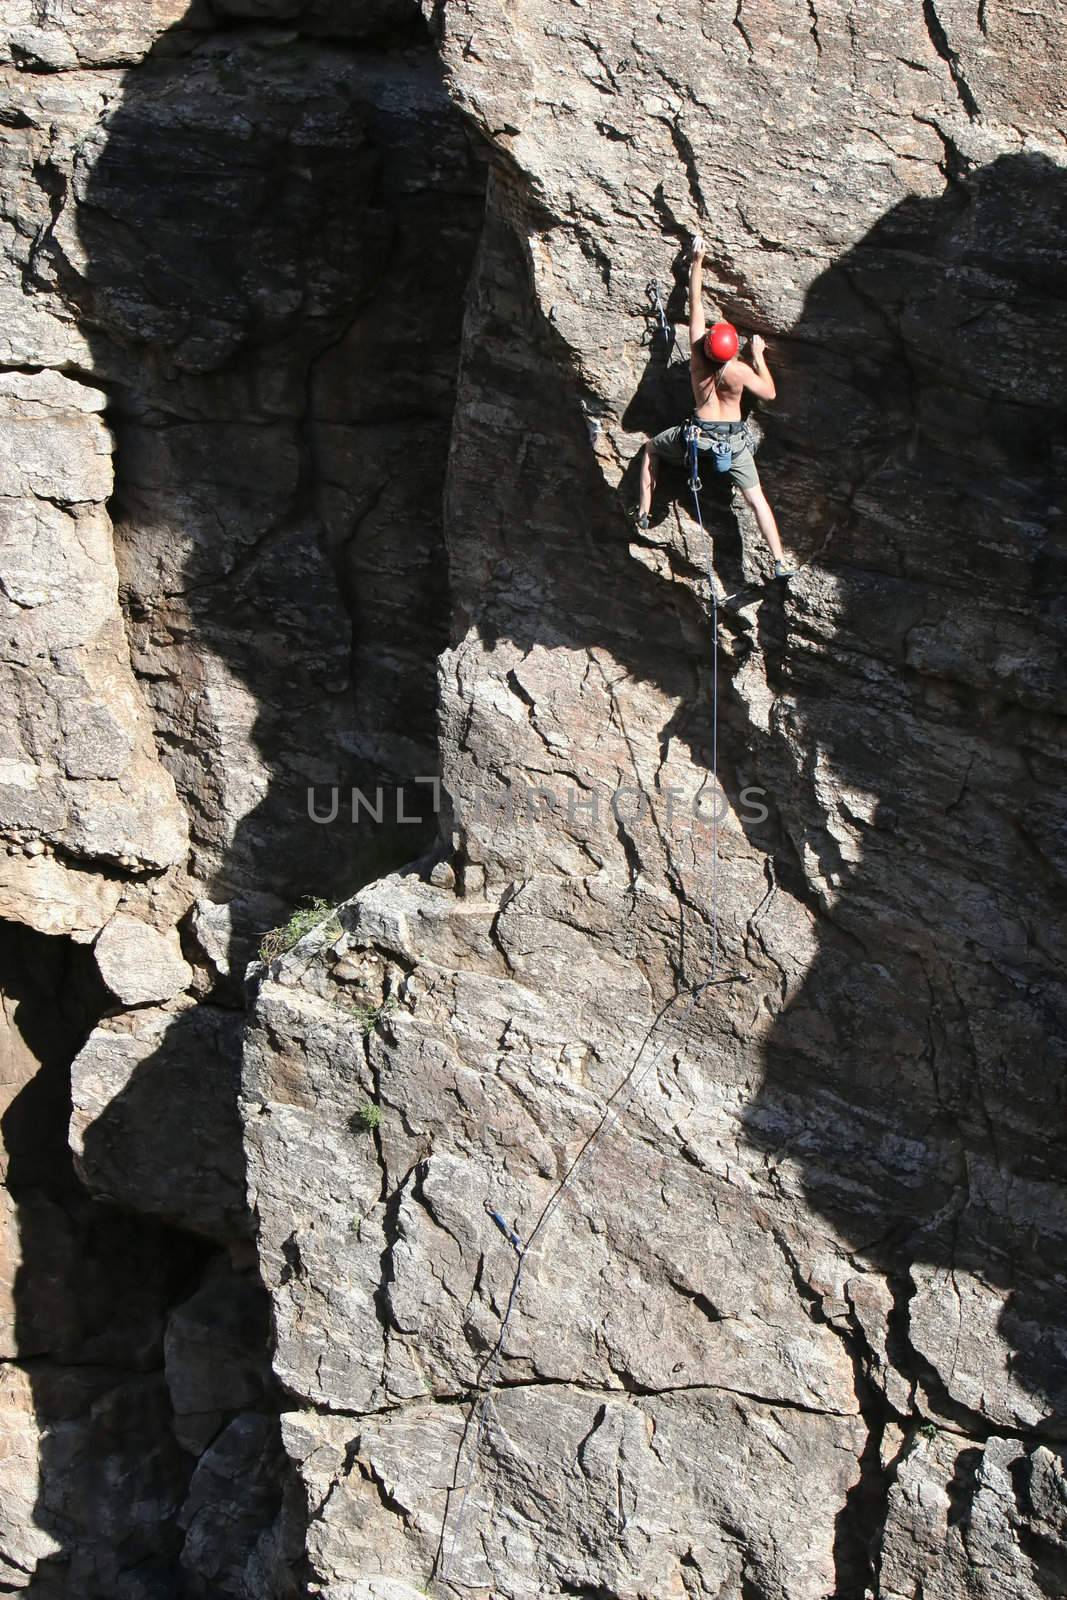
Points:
(721, 342)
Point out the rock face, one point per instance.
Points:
(658, 1185)
(233, 247)
(82, 789)
(790, 1327)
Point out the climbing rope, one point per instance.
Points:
(628, 1086)
(692, 438)
(486, 1381)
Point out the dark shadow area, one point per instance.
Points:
(915, 1080)
(91, 1295)
(53, 997)
(280, 322)
(278, 210)
(943, 706)
(914, 1083)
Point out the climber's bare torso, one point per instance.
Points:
(717, 390)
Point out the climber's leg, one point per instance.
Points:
(744, 476)
(761, 509)
(666, 446)
(647, 486)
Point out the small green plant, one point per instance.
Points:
(367, 1116)
(368, 1017)
(356, 1224)
(308, 916)
(928, 1430)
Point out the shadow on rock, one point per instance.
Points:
(276, 217)
(913, 1089)
(92, 1462)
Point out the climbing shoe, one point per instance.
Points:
(641, 519)
(782, 569)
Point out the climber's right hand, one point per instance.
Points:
(697, 249)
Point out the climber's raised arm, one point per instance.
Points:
(757, 378)
(697, 324)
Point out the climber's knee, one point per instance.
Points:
(667, 446)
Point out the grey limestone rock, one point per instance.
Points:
(825, 1188)
(138, 963)
(727, 985)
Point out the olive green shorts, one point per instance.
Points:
(670, 444)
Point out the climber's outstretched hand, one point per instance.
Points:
(759, 344)
(697, 248)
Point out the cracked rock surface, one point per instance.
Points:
(221, 595)
(650, 1183)
(791, 1326)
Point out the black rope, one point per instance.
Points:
(616, 1103)
(631, 1081)
(692, 438)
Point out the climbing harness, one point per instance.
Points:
(723, 441)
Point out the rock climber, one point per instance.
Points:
(719, 380)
